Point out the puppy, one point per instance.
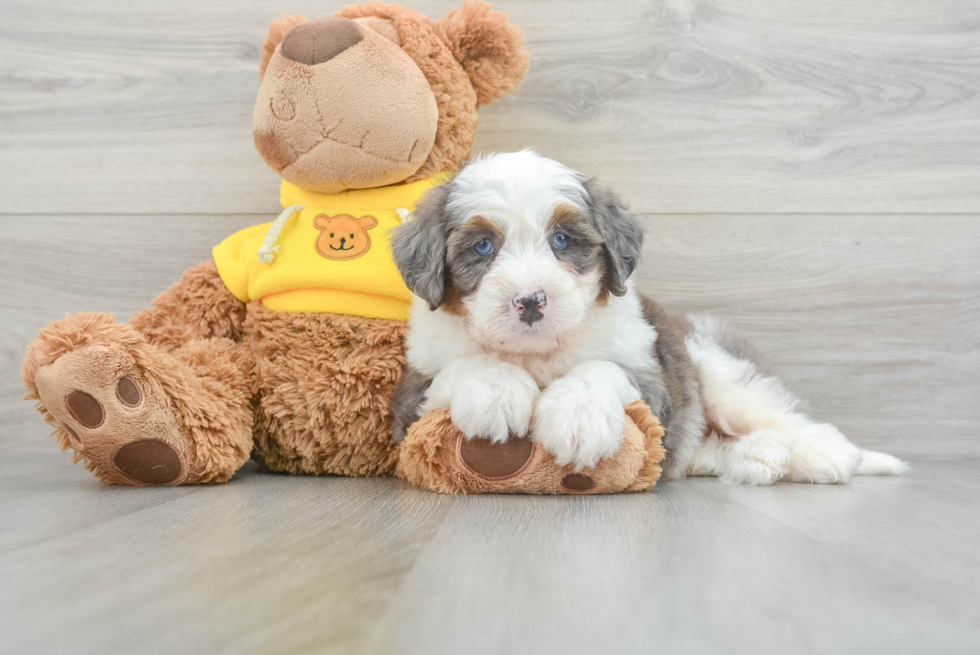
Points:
(525, 318)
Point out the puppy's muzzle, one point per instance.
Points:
(530, 307)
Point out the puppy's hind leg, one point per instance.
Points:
(761, 457)
(749, 440)
(822, 454)
(748, 406)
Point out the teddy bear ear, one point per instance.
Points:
(489, 48)
(277, 30)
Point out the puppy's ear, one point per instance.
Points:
(489, 48)
(277, 30)
(622, 235)
(419, 248)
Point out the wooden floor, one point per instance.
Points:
(809, 170)
(274, 564)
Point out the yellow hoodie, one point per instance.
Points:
(332, 255)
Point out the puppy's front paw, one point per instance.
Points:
(492, 400)
(579, 423)
(494, 407)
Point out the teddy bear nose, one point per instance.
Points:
(317, 41)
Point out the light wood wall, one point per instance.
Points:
(808, 170)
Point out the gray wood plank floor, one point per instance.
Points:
(809, 170)
(285, 564)
(115, 106)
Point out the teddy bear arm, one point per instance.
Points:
(198, 306)
(436, 455)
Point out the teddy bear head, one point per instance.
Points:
(379, 94)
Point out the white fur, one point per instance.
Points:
(579, 418)
(585, 388)
(760, 433)
(486, 397)
(761, 457)
(574, 353)
(875, 463)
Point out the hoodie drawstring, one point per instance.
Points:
(269, 247)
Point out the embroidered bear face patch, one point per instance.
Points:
(342, 236)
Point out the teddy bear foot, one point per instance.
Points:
(106, 390)
(120, 425)
(436, 455)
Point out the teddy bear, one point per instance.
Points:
(285, 347)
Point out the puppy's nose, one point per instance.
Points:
(317, 41)
(343, 240)
(530, 307)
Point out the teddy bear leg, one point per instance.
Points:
(325, 383)
(144, 413)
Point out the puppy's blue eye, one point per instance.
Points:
(560, 241)
(483, 246)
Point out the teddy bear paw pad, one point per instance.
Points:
(85, 409)
(149, 461)
(577, 482)
(114, 416)
(494, 461)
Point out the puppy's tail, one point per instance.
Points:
(875, 463)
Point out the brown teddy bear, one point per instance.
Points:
(287, 345)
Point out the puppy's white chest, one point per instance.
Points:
(544, 369)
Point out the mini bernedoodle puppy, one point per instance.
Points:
(525, 318)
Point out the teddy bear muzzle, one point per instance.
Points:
(341, 106)
(318, 41)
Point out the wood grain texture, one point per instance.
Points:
(687, 106)
(810, 171)
(875, 320)
(290, 564)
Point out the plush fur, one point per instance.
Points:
(525, 320)
(365, 117)
(487, 46)
(277, 30)
(497, 59)
(407, 93)
(430, 457)
(197, 382)
(324, 386)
